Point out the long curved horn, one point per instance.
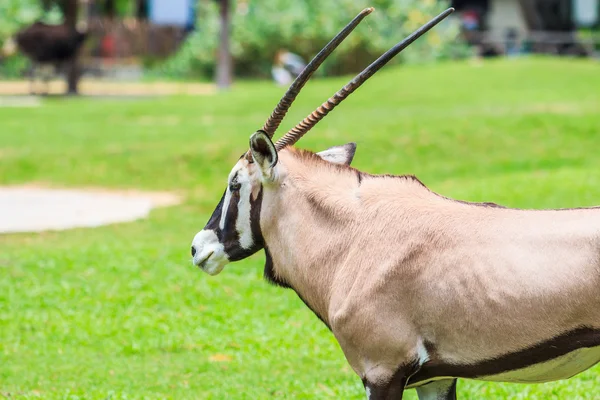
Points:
(284, 104)
(307, 123)
(279, 112)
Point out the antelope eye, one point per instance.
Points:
(234, 187)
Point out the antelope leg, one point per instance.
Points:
(391, 390)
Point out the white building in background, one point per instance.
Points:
(586, 12)
(171, 12)
(549, 25)
(504, 15)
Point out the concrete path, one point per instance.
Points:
(31, 209)
(95, 87)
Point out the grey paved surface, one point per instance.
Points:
(30, 209)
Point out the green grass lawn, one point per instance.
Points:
(119, 312)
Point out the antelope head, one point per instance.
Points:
(233, 232)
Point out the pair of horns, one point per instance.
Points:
(307, 123)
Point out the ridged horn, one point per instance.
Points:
(284, 104)
(307, 123)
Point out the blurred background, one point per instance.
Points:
(120, 121)
(133, 40)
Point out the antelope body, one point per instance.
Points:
(418, 289)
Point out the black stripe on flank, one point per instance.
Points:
(556, 347)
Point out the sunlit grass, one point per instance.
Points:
(119, 312)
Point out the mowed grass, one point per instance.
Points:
(119, 312)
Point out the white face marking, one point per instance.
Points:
(235, 171)
(227, 199)
(242, 225)
(368, 390)
(210, 254)
(226, 202)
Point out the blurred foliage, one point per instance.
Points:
(261, 28)
(121, 7)
(13, 66)
(14, 15)
(590, 34)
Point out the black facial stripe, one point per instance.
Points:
(215, 218)
(234, 250)
(232, 212)
(233, 180)
(229, 236)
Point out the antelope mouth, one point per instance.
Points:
(208, 253)
(202, 263)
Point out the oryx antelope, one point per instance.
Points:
(417, 288)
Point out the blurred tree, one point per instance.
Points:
(109, 9)
(224, 62)
(14, 14)
(261, 28)
(141, 9)
(69, 10)
(114, 8)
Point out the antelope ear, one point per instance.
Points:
(263, 152)
(339, 154)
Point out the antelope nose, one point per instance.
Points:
(193, 251)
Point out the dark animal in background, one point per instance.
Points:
(56, 45)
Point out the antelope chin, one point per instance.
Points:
(211, 268)
(209, 264)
